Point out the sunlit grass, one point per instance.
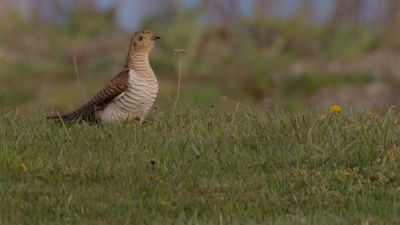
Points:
(201, 166)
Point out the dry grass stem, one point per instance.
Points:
(178, 52)
(234, 113)
(78, 78)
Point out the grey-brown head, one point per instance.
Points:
(143, 41)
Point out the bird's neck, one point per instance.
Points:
(139, 62)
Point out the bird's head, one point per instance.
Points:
(143, 41)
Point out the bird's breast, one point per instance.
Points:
(136, 101)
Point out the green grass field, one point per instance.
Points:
(205, 165)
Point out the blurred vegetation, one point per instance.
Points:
(258, 60)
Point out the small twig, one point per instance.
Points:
(78, 79)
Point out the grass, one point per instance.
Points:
(220, 164)
(201, 167)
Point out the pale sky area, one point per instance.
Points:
(130, 14)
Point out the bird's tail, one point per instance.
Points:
(79, 115)
(64, 118)
(86, 112)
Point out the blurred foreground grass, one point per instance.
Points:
(206, 165)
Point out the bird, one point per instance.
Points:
(127, 96)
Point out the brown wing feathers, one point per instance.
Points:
(87, 112)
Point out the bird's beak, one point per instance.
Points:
(155, 37)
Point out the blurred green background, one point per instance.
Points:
(291, 53)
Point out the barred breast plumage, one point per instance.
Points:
(135, 102)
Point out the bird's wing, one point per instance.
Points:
(115, 88)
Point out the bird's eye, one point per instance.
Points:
(140, 38)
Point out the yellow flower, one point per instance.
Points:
(336, 109)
